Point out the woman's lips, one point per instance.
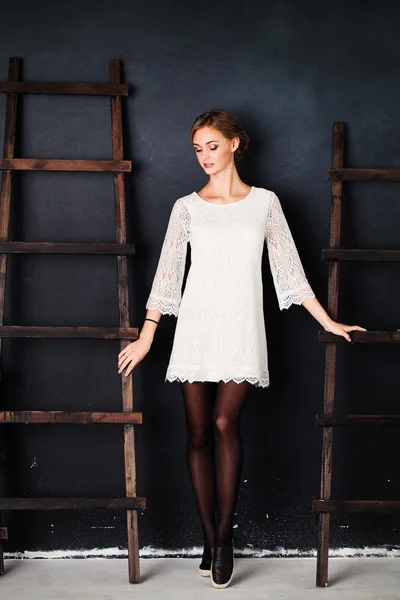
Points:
(208, 165)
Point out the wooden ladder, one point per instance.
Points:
(325, 505)
(115, 89)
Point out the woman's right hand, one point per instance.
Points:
(132, 354)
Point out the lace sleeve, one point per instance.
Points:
(166, 290)
(290, 282)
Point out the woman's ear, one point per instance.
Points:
(235, 143)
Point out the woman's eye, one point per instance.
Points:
(211, 148)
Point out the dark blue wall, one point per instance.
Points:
(287, 70)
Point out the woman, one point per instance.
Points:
(219, 349)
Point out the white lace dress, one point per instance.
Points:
(220, 330)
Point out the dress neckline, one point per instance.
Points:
(225, 203)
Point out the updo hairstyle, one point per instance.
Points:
(225, 123)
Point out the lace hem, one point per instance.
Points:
(210, 375)
(164, 305)
(295, 298)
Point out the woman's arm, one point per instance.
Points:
(149, 327)
(290, 281)
(291, 284)
(320, 314)
(166, 291)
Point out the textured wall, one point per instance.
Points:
(287, 70)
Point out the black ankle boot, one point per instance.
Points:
(222, 566)
(205, 565)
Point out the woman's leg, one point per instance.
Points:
(229, 403)
(198, 398)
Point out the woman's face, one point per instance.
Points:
(214, 151)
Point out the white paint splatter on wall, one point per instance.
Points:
(196, 551)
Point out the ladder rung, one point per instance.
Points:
(364, 174)
(3, 533)
(384, 506)
(58, 87)
(84, 418)
(121, 333)
(65, 248)
(364, 337)
(335, 420)
(71, 503)
(43, 164)
(368, 255)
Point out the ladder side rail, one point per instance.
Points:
(14, 73)
(330, 359)
(123, 307)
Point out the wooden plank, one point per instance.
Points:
(363, 337)
(14, 70)
(58, 87)
(123, 308)
(338, 420)
(107, 333)
(66, 248)
(364, 174)
(43, 164)
(382, 506)
(72, 503)
(330, 358)
(83, 418)
(360, 255)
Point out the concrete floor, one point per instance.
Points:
(175, 578)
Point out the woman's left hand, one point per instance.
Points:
(342, 329)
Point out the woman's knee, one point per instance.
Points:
(225, 425)
(199, 438)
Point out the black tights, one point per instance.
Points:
(206, 411)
